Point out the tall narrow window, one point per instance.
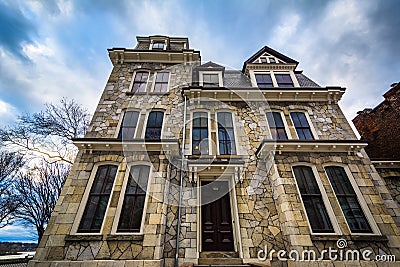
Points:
(226, 135)
(135, 195)
(276, 126)
(99, 195)
(154, 125)
(161, 84)
(348, 201)
(302, 127)
(210, 80)
(312, 199)
(128, 127)
(200, 133)
(284, 80)
(264, 81)
(140, 81)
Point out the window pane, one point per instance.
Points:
(211, 80)
(284, 80)
(135, 195)
(154, 125)
(158, 45)
(303, 129)
(312, 199)
(200, 133)
(161, 83)
(140, 81)
(348, 201)
(226, 136)
(128, 126)
(264, 80)
(99, 195)
(276, 125)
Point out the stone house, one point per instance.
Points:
(244, 167)
(380, 128)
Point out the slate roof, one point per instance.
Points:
(304, 81)
(235, 78)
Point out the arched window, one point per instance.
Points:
(348, 200)
(154, 125)
(312, 199)
(135, 194)
(226, 135)
(97, 202)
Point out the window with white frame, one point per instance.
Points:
(161, 82)
(348, 200)
(301, 125)
(97, 201)
(158, 46)
(128, 126)
(264, 80)
(284, 80)
(200, 133)
(276, 125)
(311, 196)
(226, 134)
(130, 219)
(140, 81)
(210, 79)
(154, 125)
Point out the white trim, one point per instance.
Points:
(147, 118)
(122, 198)
(325, 199)
(133, 79)
(209, 130)
(233, 127)
(310, 124)
(285, 124)
(154, 81)
(121, 119)
(360, 198)
(273, 78)
(83, 203)
(220, 79)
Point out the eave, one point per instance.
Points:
(303, 94)
(123, 55)
(385, 164)
(315, 146)
(263, 66)
(168, 146)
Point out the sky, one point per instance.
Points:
(55, 48)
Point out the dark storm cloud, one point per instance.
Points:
(15, 29)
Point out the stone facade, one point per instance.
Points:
(266, 207)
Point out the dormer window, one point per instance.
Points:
(264, 80)
(158, 46)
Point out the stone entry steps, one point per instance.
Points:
(220, 258)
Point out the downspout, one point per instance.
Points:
(178, 231)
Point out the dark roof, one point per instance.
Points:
(304, 81)
(272, 52)
(235, 78)
(210, 65)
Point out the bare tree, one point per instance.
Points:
(10, 162)
(49, 133)
(37, 191)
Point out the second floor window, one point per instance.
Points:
(210, 80)
(276, 126)
(135, 193)
(97, 202)
(161, 83)
(226, 135)
(200, 133)
(348, 201)
(140, 81)
(154, 125)
(128, 126)
(300, 122)
(264, 81)
(284, 80)
(312, 200)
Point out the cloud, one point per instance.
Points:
(18, 233)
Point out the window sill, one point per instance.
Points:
(88, 237)
(125, 237)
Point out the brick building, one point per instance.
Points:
(380, 127)
(232, 162)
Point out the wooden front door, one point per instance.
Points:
(217, 234)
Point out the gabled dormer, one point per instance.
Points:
(209, 74)
(270, 69)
